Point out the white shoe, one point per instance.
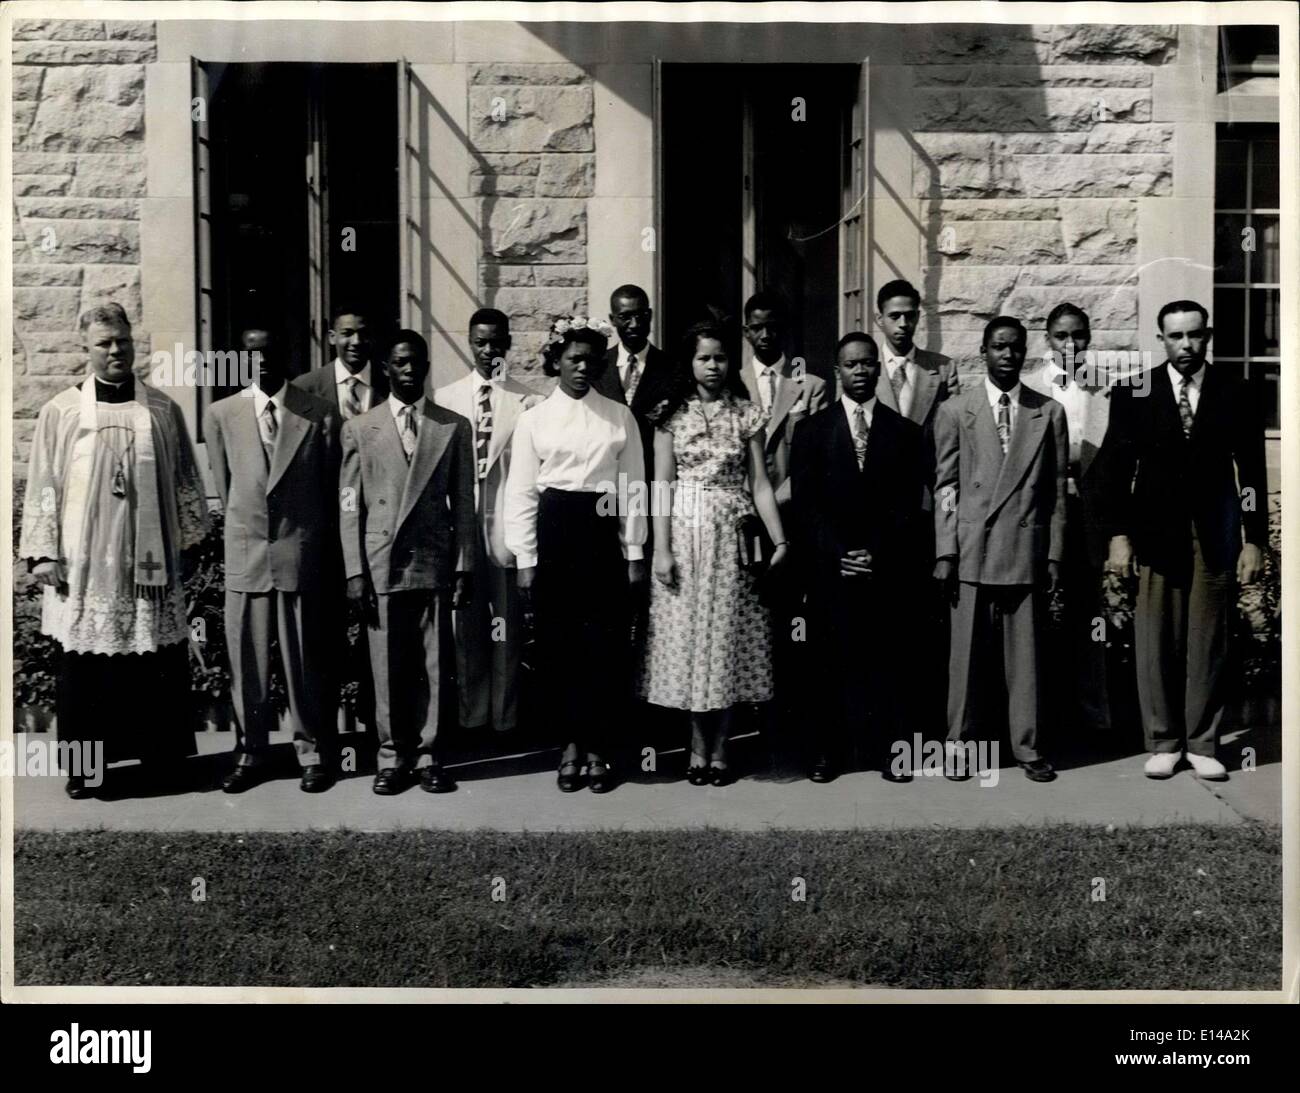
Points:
(1208, 768)
(1161, 764)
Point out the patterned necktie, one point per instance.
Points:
(898, 380)
(860, 435)
(483, 428)
(633, 378)
(408, 434)
(771, 389)
(1185, 406)
(268, 427)
(1004, 421)
(352, 406)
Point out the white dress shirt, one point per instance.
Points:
(580, 445)
(1193, 388)
(994, 393)
(1087, 410)
(766, 388)
(365, 389)
(907, 363)
(868, 410)
(624, 357)
(260, 401)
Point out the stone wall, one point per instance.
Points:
(1031, 149)
(78, 178)
(533, 149)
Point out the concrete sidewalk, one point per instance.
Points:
(518, 793)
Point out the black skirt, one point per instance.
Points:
(581, 611)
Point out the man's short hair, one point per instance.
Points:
(407, 337)
(629, 292)
(489, 316)
(897, 288)
(855, 336)
(347, 307)
(1180, 305)
(765, 301)
(110, 314)
(1004, 321)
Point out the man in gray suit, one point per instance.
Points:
(351, 381)
(1000, 496)
(915, 382)
(406, 516)
(274, 454)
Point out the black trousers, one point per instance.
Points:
(581, 610)
(138, 704)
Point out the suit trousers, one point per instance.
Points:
(996, 643)
(489, 644)
(300, 622)
(1180, 643)
(1078, 670)
(406, 662)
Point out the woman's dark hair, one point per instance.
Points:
(552, 352)
(719, 328)
(1061, 310)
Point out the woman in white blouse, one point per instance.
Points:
(577, 548)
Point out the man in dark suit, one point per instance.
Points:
(1184, 481)
(275, 458)
(857, 477)
(1002, 454)
(406, 498)
(350, 381)
(636, 373)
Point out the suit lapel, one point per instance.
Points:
(293, 428)
(885, 389)
(433, 440)
(1166, 404)
(245, 436)
(505, 408)
(979, 420)
(927, 386)
(844, 457)
(788, 390)
(1026, 435)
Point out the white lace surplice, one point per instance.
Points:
(106, 616)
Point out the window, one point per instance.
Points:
(1249, 60)
(1247, 259)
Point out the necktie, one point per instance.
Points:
(352, 406)
(1185, 406)
(409, 437)
(483, 428)
(268, 427)
(633, 377)
(1063, 380)
(860, 435)
(898, 380)
(771, 389)
(1004, 421)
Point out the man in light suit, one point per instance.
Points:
(406, 517)
(274, 454)
(489, 632)
(351, 381)
(1002, 455)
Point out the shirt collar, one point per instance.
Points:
(261, 398)
(777, 366)
(1176, 378)
(868, 408)
(891, 358)
(624, 354)
(396, 405)
(342, 375)
(994, 393)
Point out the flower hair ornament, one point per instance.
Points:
(563, 325)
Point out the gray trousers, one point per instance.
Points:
(406, 660)
(1180, 639)
(489, 645)
(996, 643)
(302, 622)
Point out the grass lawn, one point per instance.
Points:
(1186, 907)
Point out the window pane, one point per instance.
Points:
(1264, 175)
(1270, 393)
(1266, 262)
(1230, 174)
(1229, 317)
(1265, 318)
(1229, 257)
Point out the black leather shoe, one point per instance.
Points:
(600, 779)
(241, 779)
(316, 779)
(569, 778)
(888, 773)
(390, 781)
(823, 771)
(77, 789)
(720, 776)
(433, 779)
(698, 776)
(1039, 770)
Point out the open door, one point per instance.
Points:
(201, 98)
(855, 306)
(318, 251)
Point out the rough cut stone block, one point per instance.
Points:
(1094, 175)
(525, 360)
(24, 115)
(499, 163)
(35, 391)
(116, 284)
(567, 176)
(78, 208)
(84, 53)
(56, 364)
(58, 30)
(109, 176)
(970, 43)
(27, 82)
(43, 163)
(46, 308)
(996, 242)
(134, 30)
(533, 74)
(1111, 43)
(1100, 232)
(528, 230)
(945, 211)
(491, 276)
(1031, 76)
(1070, 276)
(84, 241)
(532, 119)
(89, 108)
(41, 185)
(503, 185)
(1112, 307)
(1111, 138)
(23, 433)
(47, 276)
(537, 308)
(1003, 110)
(954, 290)
(560, 275)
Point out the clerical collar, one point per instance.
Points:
(114, 392)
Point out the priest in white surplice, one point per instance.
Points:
(113, 497)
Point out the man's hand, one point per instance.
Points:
(463, 593)
(945, 576)
(50, 573)
(636, 571)
(856, 564)
(1249, 564)
(1120, 558)
(362, 594)
(665, 566)
(779, 555)
(1053, 577)
(524, 577)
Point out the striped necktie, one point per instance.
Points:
(352, 405)
(1004, 421)
(409, 436)
(483, 428)
(860, 432)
